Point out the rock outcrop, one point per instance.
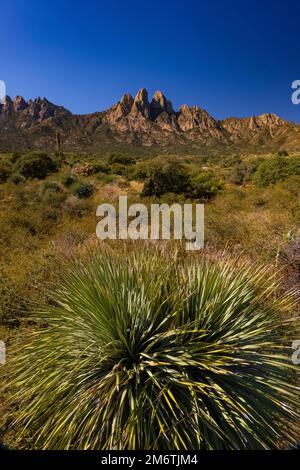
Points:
(160, 104)
(30, 111)
(141, 105)
(189, 118)
(19, 103)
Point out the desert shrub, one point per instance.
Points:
(120, 158)
(237, 174)
(231, 160)
(294, 166)
(16, 178)
(283, 153)
(204, 185)
(83, 169)
(276, 169)
(83, 190)
(243, 172)
(36, 165)
(271, 171)
(5, 170)
(150, 352)
(68, 179)
(162, 176)
(118, 168)
(100, 167)
(15, 156)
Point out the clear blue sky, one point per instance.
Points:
(233, 57)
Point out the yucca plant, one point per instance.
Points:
(149, 352)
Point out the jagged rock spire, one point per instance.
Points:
(8, 104)
(124, 106)
(160, 104)
(19, 103)
(141, 104)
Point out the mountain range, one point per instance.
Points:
(136, 121)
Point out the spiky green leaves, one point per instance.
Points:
(153, 353)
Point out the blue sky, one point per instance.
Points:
(233, 58)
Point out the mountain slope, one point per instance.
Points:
(139, 122)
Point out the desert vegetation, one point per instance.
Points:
(47, 223)
(149, 351)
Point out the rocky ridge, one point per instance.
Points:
(139, 121)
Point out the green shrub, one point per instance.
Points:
(204, 186)
(101, 168)
(83, 190)
(68, 179)
(16, 178)
(283, 153)
(154, 353)
(15, 156)
(120, 158)
(5, 171)
(294, 166)
(118, 169)
(162, 176)
(276, 169)
(270, 171)
(230, 160)
(36, 165)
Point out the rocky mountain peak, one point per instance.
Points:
(40, 109)
(141, 96)
(127, 100)
(137, 115)
(269, 119)
(29, 113)
(192, 117)
(160, 104)
(7, 99)
(254, 124)
(125, 105)
(19, 103)
(7, 105)
(141, 104)
(120, 110)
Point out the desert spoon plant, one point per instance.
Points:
(150, 352)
